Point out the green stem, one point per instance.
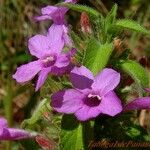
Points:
(8, 107)
(8, 145)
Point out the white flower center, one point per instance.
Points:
(94, 96)
(48, 59)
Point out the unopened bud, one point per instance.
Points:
(117, 43)
(45, 143)
(85, 23)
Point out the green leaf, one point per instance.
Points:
(137, 72)
(97, 55)
(111, 17)
(37, 114)
(80, 8)
(71, 134)
(132, 25)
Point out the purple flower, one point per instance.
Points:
(147, 90)
(50, 58)
(91, 96)
(57, 14)
(137, 104)
(7, 133)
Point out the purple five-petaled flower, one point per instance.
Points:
(57, 15)
(92, 96)
(7, 133)
(51, 59)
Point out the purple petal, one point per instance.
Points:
(66, 37)
(17, 134)
(44, 17)
(70, 1)
(55, 13)
(26, 72)
(86, 113)
(59, 71)
(106, 81)
(48, 10)
(67, 101)
(4, 134)
(110, 104)
(81, 77)
(42, 77)
(39, 46)
(14, 134)
(62, 61)
(137, 104)
(147, 89)
(55, 35)
(3, 123)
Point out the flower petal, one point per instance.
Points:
(3, 123)
(137, 104)
(70, 1)
(14, 134)
(26, 72)
(55, 35)
(42, 77)
(56, 13)
(110, 104)
(81, 77)
(106, 81)
(44, 17)
(66, 37)
(62, 61)
(4, 134)
(39, 45)
(67, 101)
(147, 89)
(17, 134)
(48, 10)
(86, 113)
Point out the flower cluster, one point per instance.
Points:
(48, 49)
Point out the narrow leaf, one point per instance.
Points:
(137, 72)
(111, 17)
(80, 8)
(37, 114)
(132, 25)
(97, 55)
